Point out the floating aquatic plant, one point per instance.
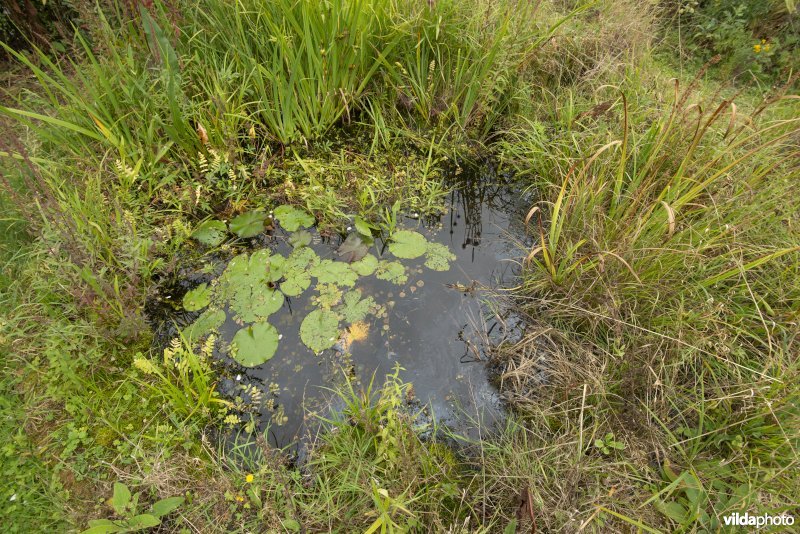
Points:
(208, 322)
(335, 272)
(320, 330)
(198, 298)
(248, 224)
(253, 286)
(438, 257)
(391, 271)
(354, 248)
(354, 308)
(407, 244)
(292, 218)
(210, 233)
(366, 265)
(255, 344)
(246, 286)
(329, 296)
(300, 238)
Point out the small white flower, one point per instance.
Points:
(280, 336)
(238, 377)
(349, 228)
(13, 497)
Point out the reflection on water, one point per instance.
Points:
(434, 326)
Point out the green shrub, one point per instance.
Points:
(757, 39)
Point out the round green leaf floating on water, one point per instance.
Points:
(366, 265)
(300, 238)
(320, 330)
(407, 244)
(296, 282)
(438, 257)
(248, 224)
(198, 298)
(335, 272)
(254, 344)
(209, 321)
(262, 302)
(392, 271)
(210, 233)
(292, 218)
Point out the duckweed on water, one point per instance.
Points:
(254, 285)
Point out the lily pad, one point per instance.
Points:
(277, 265)
(292, 218)
(329, 296)
(407, 244)
(209, 320)
(245, 285)
(320, 330)
(210, 233)
(366, 265)
(335, 272)
(296, 282)
(248, 224)
(392, 271)
(301, 259)
(198, 298)
(354, 308)
(353, 248)
(254, 344)
(300, 238)
(438, 257)
(263, 303)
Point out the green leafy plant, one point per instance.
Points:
(407, 244)
(126, 507)
(320, 330)
(211, 232)
(198, 298)
(248, 224)
(607, 444)
(292, 218)
(255, 344)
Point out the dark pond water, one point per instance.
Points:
(435, 327)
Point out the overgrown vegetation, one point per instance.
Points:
(661, 294)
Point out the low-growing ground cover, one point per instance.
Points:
(655, 385)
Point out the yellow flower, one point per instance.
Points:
(239, 498)
(763, 41)
(757, 48)
(766, 47)
(249, 478)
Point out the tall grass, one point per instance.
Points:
(304, 64)
(663, 206)
(670, 249)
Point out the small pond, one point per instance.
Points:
(324, 318)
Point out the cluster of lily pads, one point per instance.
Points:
(254, 285)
